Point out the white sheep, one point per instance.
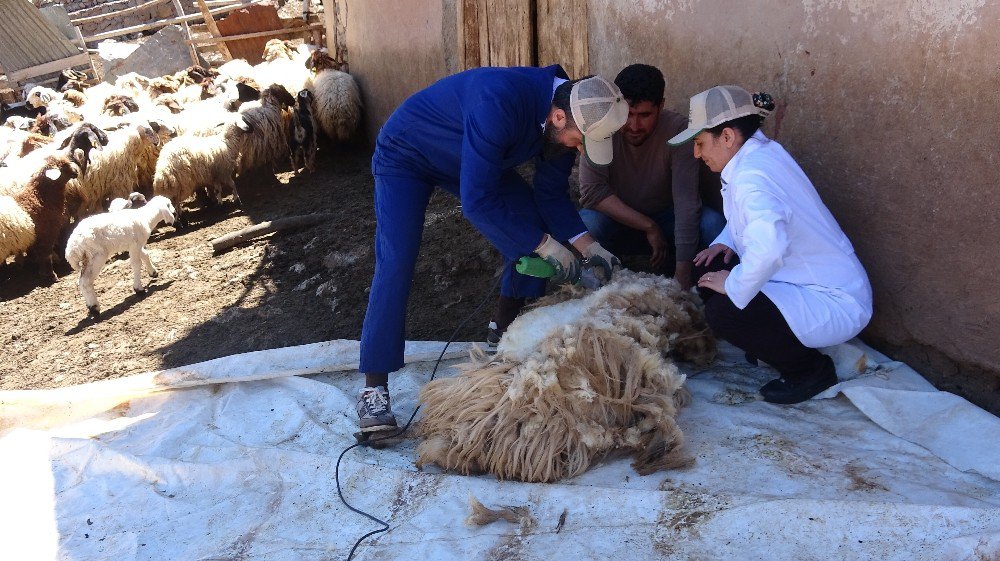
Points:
(113, 172)
(190, 162)
(96, 238)
(338, 100)
(55, 103)
(282, 65)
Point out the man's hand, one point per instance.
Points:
(658, 242)
(605, 262)
(716, 280)
(566, 264)
(682, 273)
(706, 256)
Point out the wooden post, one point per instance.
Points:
(187, 31)
(330, 19)
(213, 29)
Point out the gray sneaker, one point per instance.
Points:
(492, 338)
(374, 412)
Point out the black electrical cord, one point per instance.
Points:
(336, 473)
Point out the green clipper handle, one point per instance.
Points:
(535, 267)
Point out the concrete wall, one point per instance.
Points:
(396, 47)
(891, 108)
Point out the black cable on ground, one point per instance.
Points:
(398, 432)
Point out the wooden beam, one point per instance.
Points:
(123, 12)
(271, 33)
(330, 22)
(162, 23)
(49, 67)
(214, 29)
(179, 10)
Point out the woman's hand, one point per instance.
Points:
(716, 280)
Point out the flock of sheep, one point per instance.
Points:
(166, 139)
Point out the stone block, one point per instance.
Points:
(163, 53)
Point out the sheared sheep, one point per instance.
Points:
(96, 238)
(573, 383)
(338, 100)
(30, 221)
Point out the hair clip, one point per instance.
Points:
(764, 101)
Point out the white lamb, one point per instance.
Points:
(96, 238)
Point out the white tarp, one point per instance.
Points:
(234, 459)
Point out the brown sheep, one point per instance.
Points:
(31, 221)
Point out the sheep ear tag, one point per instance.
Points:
(53, 173)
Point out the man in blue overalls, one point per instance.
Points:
(466, 133)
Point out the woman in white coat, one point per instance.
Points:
(797, 284)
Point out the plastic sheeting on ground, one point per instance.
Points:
(234, 459)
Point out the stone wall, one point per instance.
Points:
(88, 8)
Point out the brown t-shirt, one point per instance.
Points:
(651, 178)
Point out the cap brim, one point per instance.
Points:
(685, 136)
(598, 152)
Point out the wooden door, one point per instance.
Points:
(493, 33)
(562, 35)
(524, 33)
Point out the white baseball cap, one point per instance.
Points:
(715, 106)
(599, 110)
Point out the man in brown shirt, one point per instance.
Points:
(648, 197)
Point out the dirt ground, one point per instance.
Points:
(290, 288)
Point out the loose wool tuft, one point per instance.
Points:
(573, 382)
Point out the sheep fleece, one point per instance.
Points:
(599, 382)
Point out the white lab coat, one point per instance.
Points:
(790, 247)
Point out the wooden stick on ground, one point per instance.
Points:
(264, 228)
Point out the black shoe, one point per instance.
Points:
(787, 392)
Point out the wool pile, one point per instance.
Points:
(583, 376)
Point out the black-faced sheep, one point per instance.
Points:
(266, 122)
(31, 220)
(96, 238)
(338, 100)
(573, 383)
(113, 172)
(302, 139)
(134, 200)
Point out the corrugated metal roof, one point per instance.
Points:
(27, 39)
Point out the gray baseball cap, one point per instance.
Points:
(715, 106)
(599, 110)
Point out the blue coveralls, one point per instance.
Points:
(465, 133)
